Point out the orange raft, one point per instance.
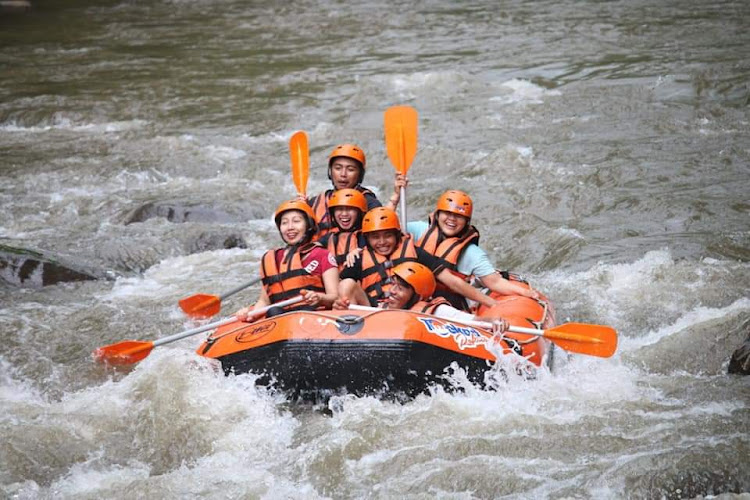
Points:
(369, 352)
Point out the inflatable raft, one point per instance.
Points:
(309, 353)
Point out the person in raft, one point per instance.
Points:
(347, 208)
(346, 169)
(413, 288)
(449, 237)
(302, 267)
(366, 277)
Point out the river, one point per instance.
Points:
(605, 145)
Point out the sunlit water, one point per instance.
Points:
(605, 145)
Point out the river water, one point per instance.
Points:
(606, 147)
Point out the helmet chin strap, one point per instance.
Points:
(413, 300)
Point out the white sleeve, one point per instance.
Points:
(449, 312)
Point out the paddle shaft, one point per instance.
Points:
(194, 331)
(211, 326)
(481, 324)
(402, 202)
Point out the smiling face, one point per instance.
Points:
(293, 227)
(383, 242)
(345, 217)
(344, 172)
(451, 224)
(399, 294)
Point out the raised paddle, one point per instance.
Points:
(401, 143)
(202, 305)
(128, 352)
(581, 338)
(300, 156)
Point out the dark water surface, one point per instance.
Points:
(605, 145)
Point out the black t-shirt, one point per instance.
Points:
(372, 201)
(424, 258)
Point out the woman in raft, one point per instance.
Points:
(454, 242)
(302, 267)
(347, 208)
(366, 277)
(346, 170)
(412, 288)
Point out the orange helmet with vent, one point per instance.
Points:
(456, 202)
(301, 206)
(348, 151)
(351, 151)
(418, 276)
(380, 219)
(348, 198)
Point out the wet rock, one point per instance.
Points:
(180, 212)
(29, 268)
(739, 364)
(216, 241)
(135, 252)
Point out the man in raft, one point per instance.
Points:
(302, 267)
(366, 278)
(449, 237)
(412, 289)
(346, 170)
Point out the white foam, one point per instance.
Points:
(168, 276)
(13, 389)
(60, 122)
(523, 92)
(411, 85)
(224, 153)
(690, 318)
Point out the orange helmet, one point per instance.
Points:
(380, 219)
(349, 151)
(418, 276)
(348, 198)
(456, 202)
(303, 207)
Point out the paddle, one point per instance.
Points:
(202, 305)
(128, 352)
(401, 143)
(581, 338)
(299, 153)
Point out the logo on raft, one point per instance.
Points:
(256, 332)
(465, 337)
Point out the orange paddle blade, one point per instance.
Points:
(584, 338)
(300, 155)
(401, 136)
(201, 305)
(126, 352)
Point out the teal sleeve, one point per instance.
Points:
(475, 261)
(416, 229)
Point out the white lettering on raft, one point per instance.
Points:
(465, 337)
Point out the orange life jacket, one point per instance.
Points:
(341, 243)
(287, 279)
(448, 251)
(377, 269)
(319, 205)
(429, 306)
